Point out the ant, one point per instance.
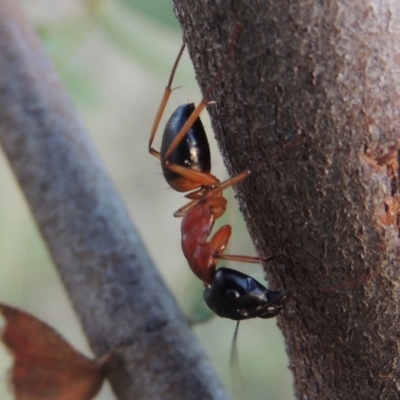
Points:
(186, 164)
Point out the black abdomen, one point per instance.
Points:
(192, 152)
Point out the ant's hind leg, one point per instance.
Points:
(162, 105)
(200, 107)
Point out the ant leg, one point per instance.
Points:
(196, 194)
(163, 103)
(182, 211)
(206, 97)
(215, 204)
(219, 188)
(246, 259)
(218, 243)
(202, 178)
(219, 240)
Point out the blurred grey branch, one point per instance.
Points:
(327, 209)
(108, 274)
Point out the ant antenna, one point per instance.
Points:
(237, 381)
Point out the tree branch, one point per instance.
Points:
(106, 269)
(328, 209)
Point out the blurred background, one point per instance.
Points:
(114, 57)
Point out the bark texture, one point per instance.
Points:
(112, 283)
(327, 208)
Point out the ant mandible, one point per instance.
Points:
(186, 164)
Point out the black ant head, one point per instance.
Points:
(238, 296)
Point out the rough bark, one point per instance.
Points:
(112, 283)
(327, 208)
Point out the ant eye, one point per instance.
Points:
(232, 294)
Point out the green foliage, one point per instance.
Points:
(160, 10)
